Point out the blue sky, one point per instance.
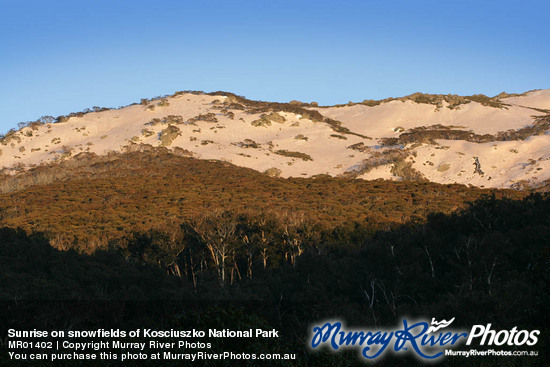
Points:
(58, 57)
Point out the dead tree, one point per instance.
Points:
(292, 240)
(217, 231)
(370, 296)
(264, 225)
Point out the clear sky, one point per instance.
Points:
(58, 57)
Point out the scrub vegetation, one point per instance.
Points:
(452, 101)
(157, 240)
(428, 134)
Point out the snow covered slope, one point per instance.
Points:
(491, 142)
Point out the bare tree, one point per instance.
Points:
(217, 231)
(265, 236)
(370, 296)
(292, 234)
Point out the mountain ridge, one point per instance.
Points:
(416, 137)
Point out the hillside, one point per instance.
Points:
(498, 142)
(476, 264)
(162, 231)
(89, 201)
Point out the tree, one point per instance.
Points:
(218, 231)
(296, 230)
(161, 246)
(46, 119)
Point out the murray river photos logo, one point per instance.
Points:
(426, 341)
